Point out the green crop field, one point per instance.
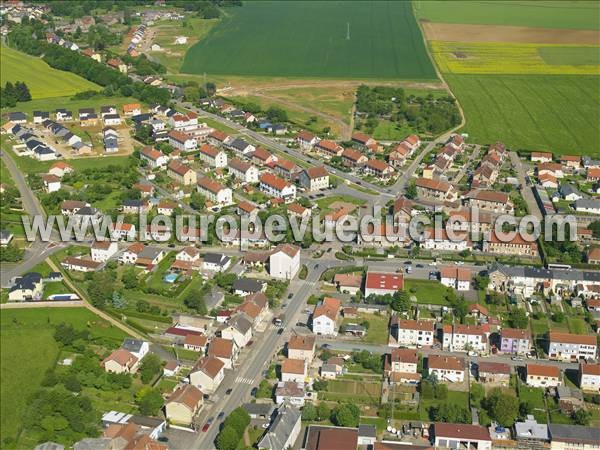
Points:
(310, 39)
(43, 81)
(573, 56)
(28, 350)
(572, 14)
(559, 113)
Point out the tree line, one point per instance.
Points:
(11, 94)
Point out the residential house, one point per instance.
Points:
(207, 374)
(571, 161)
(293, 370)
(378, 168)
(364, 142)
(277, 187)
(135, 206)
(571, 347)
(195, 342)
(182, 141)
(413, 333)
(247, 209)
(447, 368)
(458, 278)
(541, 157)
(380, 283)
(261, 157)
(353, 158)
(329, 148)
(436, 190)
(102, 251)
(517, 245)
(515, 340)
(314, 178)
(238, 329)
(166, 207)
(285, 168)
(589, 206)
(153, 157)
(60, 169)
(450, 435)
(136, 347)
(543, 376)
(467, 337)
(120, 361)
(301, 347)
(212, 156)
(284, 430)
(530, 434)
(241, 147)
(225, 349)
(214, 191)
(216, 262)
(325, 315)
(51, 182)
(182, 173)
(291, 392)
(567, 437)
(589, 377)
(493, 372)
(27, 287)
(79, 264)
(306, 140)
(348, 283)
(284, 261)
(218, 138)
(111, 120)
(400, 366)
(242, 170)
(333, 438)
(497, 202)
(183, 405)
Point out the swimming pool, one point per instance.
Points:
(171, 277)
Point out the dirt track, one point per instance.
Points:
(504, 33)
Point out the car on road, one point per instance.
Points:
(419, 266)
(408, 269)
(517, 358)
(325, 346)
(290, 295)
(300, 324)
(250, 342)
(205, 427)
(210, 420)
(228, 391)
(254, 391)
(163, 439)
(265, 425)
(408, 263)
(280, 331)
(221, 415)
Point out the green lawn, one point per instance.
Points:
(352, 390)
(389, 131)
(427, 291)
(458, 398)
(378, 327)
(534, 396)
(569, 14)
(310, 39)
(575, 56)
(42, 80)
(28, 350)
(577, 325)
(558, 113)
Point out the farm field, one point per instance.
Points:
(309, 39)
(515, 58)
(28, 350)
(43, 81)
(560, 113)
(566, 14)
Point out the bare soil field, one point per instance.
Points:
(503, 33)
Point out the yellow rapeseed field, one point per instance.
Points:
(501, 58)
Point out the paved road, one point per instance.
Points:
(262, 353)
(526, 191)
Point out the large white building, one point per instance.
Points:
(214, 191)
(589, 377)
(207, 374)
(284, 262)
(212, 156)
(325, 316)
(466, 337)
(412, 333)
(277, 187)
(571, 347)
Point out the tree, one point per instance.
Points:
(309, 412)
(150, 366)
(558, 317)
(346, 415)
(502, 407)
(150, 402)
(195, 300)
(228, 438)
(129, 278)
(449, 412)
(320, 385)
(276, 114)
(100, 288)
(411, 190)
(401, 301)
(323, 411)
(481, 282)
(525, 408)
(265, 390)
(582, 417)
(11, 253)
(118, 301)
(517, 318)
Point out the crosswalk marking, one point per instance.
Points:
(244, 380)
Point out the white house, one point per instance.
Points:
(293, 370)
(314, 178)
(243, 171)
(212, 156)
(136, 347)
(182, 141)
(466, 337)
(51, 183)
(239, 329)
(571, 347)
(543, 376)
(412, 333)
(458, 278)
(277, 187)
(214, 191)
(101, 251)
(216, 262)
(225, 349)
(589, 377)
(207, 374)
(153, 157)
(284, 262)
(447, 368)
(380, 283)
(325, 316)
(112, 120)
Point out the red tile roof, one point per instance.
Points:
(274, 181)
(388, 281)
(543, 370)
(572, 338)
(210, 185)
(461, 431)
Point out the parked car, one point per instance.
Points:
(254, 391)
(205, 427)
(221, 415)
(280, 331)
(228, 391)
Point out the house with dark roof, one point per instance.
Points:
(284, 430)
(28, 287)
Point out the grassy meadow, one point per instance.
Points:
(28, 350)
(566, 14)
(309, 39)
(560, 113)
(43, 81)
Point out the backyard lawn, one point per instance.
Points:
(458, 398)
(377, 332)
(427, 291)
